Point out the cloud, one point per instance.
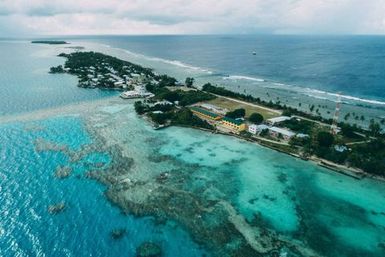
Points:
(57, 17)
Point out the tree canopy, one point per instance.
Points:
(256, 118)
(237, 113)
(325, 139)
(189, 82)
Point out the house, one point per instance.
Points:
(163, 102)
(204, 114)
(253, 129)
(301, 135)
(281, 132)
(118, 83)
(256, 129)
(340, 148)
(237, 125)
(277, 120)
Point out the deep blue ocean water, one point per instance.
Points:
(27, 183)
(28, 186)
(352, 65)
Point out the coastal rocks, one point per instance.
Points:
(63, 171)
(162, 177)
(56, 208)
(43, 145)
(118, 233)
(149, 249)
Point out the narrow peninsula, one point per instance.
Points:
(343, 147)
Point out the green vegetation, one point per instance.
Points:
(49, 42)
(256, 118)
(189, 82)
(58, 69)
(353, 146)
(325, 139)
(298, 125)
(169, 115)
(369, 157)
(165, 81)
(184, 97)
(237, 113)
(375, 128)
(186, 118)
(288, 111)
(104, 71)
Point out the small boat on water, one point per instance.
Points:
(254, 53)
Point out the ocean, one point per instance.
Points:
(298, 71)
(352, 65)
(48, 122)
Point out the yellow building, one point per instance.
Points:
(204, 114)
(232, 124)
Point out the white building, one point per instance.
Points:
(277, 120)
(340, 148)
(118, 83)
(256, 129)
(277, 132)
(301, 135)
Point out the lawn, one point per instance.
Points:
(232, 105)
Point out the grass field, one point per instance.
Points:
(232, 105)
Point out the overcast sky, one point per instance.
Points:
(63, 17)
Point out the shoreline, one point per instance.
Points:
(341, 169)
(71, 109)
(296, 97)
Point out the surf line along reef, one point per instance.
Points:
(212, 221)
(354, 151)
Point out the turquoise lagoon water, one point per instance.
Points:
(26, 85)
(333, 214)
(28, 186)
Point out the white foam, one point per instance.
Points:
(353, 98)
(238, 77)
(298, 89)
(180, 64)
(320, 94)
(172, 62)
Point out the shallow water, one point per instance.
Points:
(330, 213)
(26, 85)
(28, 186)
(297, 199)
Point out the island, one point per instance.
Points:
(346, 148)
(49, 42)
(211, 220)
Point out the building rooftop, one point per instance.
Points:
(231, 120)
(301, 135)
(205, 112)
(278, 119)
(282, 131)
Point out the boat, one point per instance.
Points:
(254, 53)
